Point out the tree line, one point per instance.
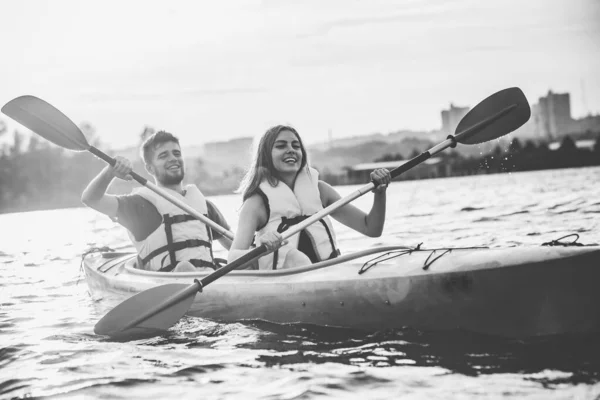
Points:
(39, 175)
(529, 156)
(42, 176)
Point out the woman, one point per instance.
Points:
(281, 190)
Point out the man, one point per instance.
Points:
(166, 237)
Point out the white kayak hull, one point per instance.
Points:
(513, 292)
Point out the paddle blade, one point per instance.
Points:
(499, 114)
(45, 120)
(115, 323)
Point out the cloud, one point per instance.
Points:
(100, 96)
(386, 15)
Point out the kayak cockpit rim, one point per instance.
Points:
(129, 265)
(126, 262)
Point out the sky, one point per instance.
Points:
(217, 70)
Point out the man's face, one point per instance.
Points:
(167, 164)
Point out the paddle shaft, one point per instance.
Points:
(250, 256)
(262, 249)
(476, 131)
(144, 182)
(451, 141)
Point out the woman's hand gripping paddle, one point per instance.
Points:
(48, 122)
(157, 309)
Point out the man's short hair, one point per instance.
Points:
(153, 141)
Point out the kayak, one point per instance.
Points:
(512, 292)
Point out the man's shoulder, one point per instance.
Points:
(138, 215)
(211, 205)
(131, 198)
(212, 210)
(134, 202)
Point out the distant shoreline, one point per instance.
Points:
(77, 204)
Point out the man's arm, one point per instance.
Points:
(95, 196)
(225, 242)
(215, 215)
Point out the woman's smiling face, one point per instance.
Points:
(287, 153)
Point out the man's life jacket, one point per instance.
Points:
(180, 237)
(286, 208)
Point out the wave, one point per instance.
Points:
(468, 209)
(487, 219)
(515, 213)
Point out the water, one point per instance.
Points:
(48, 349)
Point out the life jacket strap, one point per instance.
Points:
(336, 252)
(171, 247)
(286, 223)
(175, 247)
(195, 262)
(177, 219)
(219, 262)
(168, 221)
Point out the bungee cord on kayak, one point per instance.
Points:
(398, 253)
(91, 250)
(385, 257)
(557, 242)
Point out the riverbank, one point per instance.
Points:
(46, 177)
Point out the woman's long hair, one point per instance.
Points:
(262, 167)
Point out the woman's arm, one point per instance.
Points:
(253, 215)
(368, 224)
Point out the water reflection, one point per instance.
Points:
(47, 316)
(460, 352)
(549, 361)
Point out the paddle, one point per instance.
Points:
(48, 122)
(496, 116)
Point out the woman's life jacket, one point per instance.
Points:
(179, 237)
(286, 208)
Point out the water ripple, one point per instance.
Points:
(47, 316)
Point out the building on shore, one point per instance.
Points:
(589, 123)
(431, 168)
(451, 118)
(552, 115)
(584, 144)
(551, 120)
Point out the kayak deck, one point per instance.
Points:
(515, 292)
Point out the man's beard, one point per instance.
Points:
(168, 180)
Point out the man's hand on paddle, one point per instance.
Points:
(122, 168)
